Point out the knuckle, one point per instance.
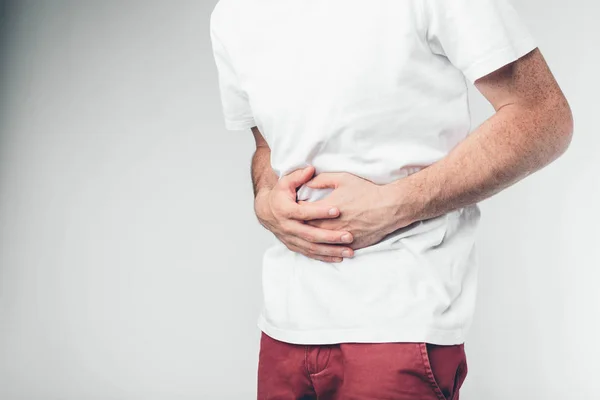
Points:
(309, 238)
(332, 239)
(288, 214)
(284, 229)
(287, 228)
(332, 252)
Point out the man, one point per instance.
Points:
(368, 175)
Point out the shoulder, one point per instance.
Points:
(216, 16)
(226, 13)
(226, 18)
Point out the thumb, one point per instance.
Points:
(323, 180)
(299, 177)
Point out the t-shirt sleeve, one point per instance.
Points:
(235, 105)
(477, 36)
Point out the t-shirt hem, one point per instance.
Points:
(499, 59)
(415, 334)
(239, 125)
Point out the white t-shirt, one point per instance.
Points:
(376, 88)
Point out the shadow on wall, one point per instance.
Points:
(7, 7)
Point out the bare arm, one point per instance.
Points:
(532, 126)
(263, 176)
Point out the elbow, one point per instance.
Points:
(560, 125)
(566, 127)
(569, 124)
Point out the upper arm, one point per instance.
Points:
(489, 43)
(529, 84)
(476, 36)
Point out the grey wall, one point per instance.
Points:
(129, 251)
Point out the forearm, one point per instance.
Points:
(263, 176)
(506, 148)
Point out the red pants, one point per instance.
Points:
(360, 371)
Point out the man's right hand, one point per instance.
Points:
(278, 211)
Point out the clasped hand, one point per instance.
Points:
(356, 214)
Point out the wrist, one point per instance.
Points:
(261, 202)
(406, 204)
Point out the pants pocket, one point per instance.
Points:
(445, 368)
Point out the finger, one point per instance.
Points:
(318, 235)
(319, 223)
(306, 211)
(298, 177)
(324, 180)
(315, 257)
(321, 250)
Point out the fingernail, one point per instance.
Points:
(346, 253)
(347, 238)
(333, 211)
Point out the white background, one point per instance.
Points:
(129, 251)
